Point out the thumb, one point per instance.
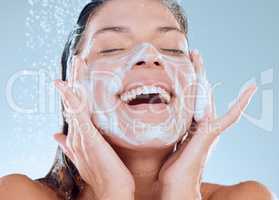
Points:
(60, 138)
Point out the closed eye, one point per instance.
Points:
(176, 51)
(111, 50)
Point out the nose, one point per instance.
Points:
(148, 57)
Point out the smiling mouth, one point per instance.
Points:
(146, 95)
(147, 99)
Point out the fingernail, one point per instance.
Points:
(254, 86)
(253, 89)
(59, 83)
(196, 52)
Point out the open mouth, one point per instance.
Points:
(146, 95)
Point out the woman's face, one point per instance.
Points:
(140, 78)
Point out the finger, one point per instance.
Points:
(60, 86)
(81, 74)
(69, 140)
(73, 104)
(213, 103)
(66, 93)
(76, 138)
(203, 95)
(81, 69)
(75, 72)
(82, 116)
(197, 61)
(212, 106)
(71, 72)
(77, 69)
(60, 138)
(235, 112)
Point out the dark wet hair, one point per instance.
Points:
(63, 176)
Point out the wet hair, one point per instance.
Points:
(63, 176)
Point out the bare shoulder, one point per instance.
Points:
(16, 186)
(207, 189)
(248, 190)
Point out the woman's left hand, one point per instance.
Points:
(180, 176)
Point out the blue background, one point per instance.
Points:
(238, 40)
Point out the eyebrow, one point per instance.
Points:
(123, 29)
(117, 29)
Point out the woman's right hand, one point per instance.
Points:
(97, 162)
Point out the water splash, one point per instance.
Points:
(48, 24)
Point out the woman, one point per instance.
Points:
(139, 43)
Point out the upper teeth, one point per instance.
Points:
(132, 94)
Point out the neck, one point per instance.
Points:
(145, 166)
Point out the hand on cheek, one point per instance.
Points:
(180, 177)
(86, 147)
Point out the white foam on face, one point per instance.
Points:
(117, 122)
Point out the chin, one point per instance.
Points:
(154, 144)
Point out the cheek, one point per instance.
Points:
(104, 97)
(102, 91)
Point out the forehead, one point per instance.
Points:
(136, 14)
